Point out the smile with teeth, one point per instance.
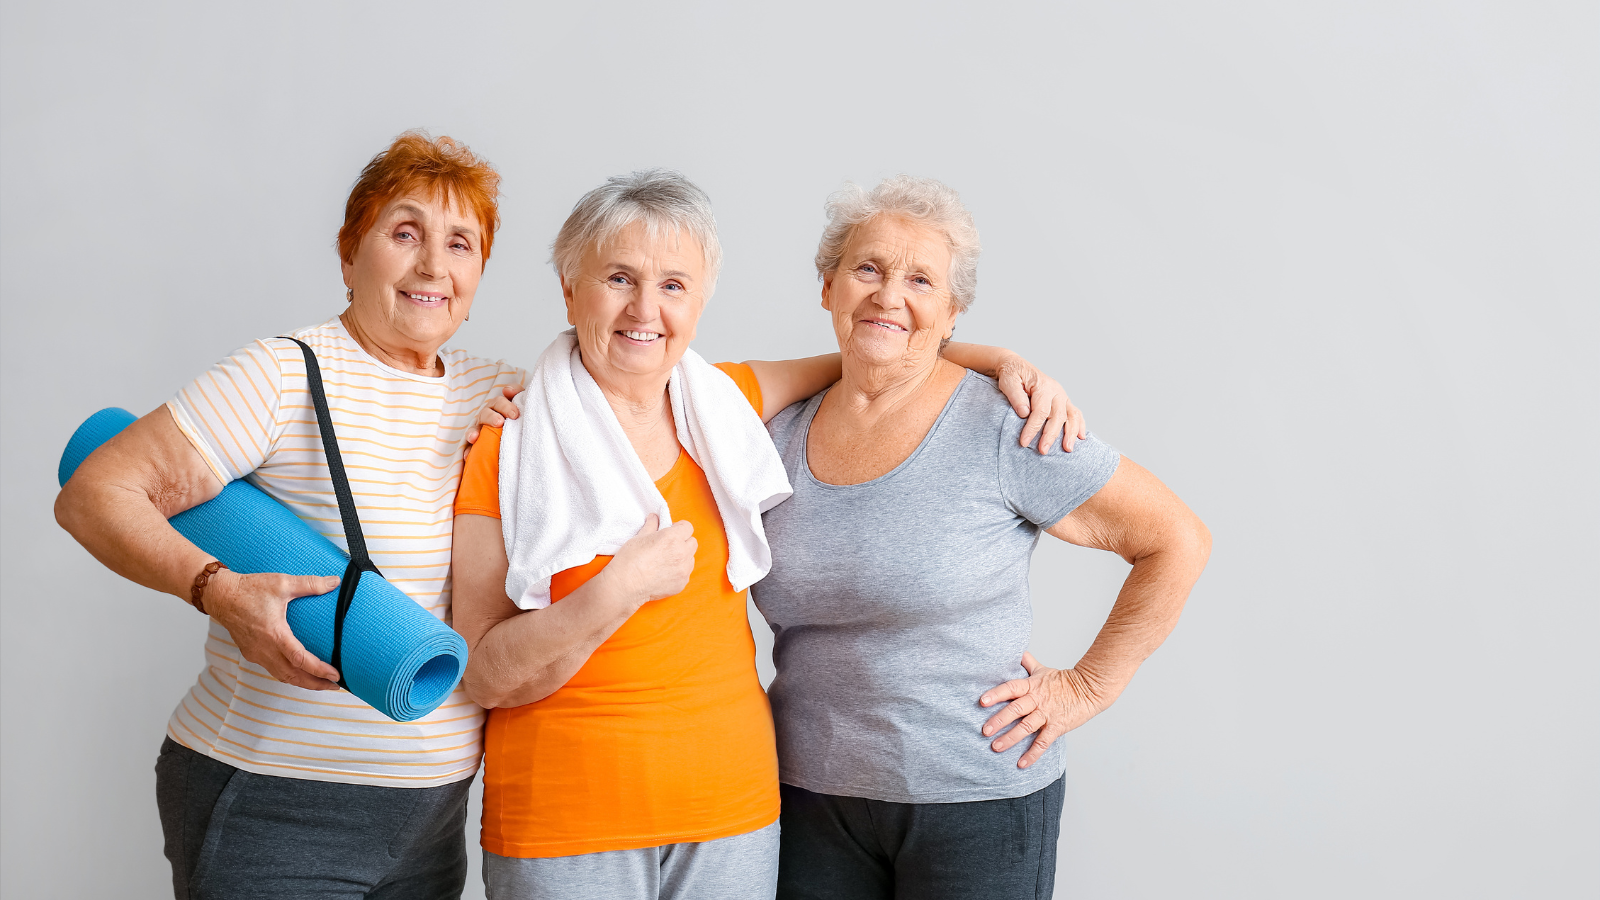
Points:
(890, 326)
(645, 336)
(426, 298)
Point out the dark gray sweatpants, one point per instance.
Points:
(235, 834)
(850, 848)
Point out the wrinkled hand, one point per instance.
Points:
(656, 562)
(1044, 403)
(495, 413)
(1049, 703)
(253, 609)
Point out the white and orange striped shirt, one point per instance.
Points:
(401, 436)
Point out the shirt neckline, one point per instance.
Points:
(441, 380)
(816, 406)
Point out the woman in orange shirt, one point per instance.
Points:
(629, 749)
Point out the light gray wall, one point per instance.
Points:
(1329, 269)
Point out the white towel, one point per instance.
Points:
(572, 487)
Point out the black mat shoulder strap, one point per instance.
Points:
(359, 560)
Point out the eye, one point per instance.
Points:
(618, 279)
(459, 244)
(673, 286)
(404, 233)
(867, 269)
(918, 279)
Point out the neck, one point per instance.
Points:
(869, 392)
(416, 360)
(640, 402)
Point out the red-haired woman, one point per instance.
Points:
(271, 782)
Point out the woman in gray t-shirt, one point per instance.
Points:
(913, 726)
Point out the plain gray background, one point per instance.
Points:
(1329, 269)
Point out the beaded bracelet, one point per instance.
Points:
(200, 582)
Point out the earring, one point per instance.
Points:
(349, 295)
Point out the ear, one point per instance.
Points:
(566, 295)
(349, 272)
(827, 285)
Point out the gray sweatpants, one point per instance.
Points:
(232, 834)
(741, 867)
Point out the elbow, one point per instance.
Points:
(1198, 542)
(69, 508)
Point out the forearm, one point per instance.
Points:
(121, 528)
(787, 381)
(1146, 611)
(531, 654)
(980, 358)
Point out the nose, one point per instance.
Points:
(642, 307)
(431, 261)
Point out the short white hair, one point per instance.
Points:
(662, 199)
(923, 200)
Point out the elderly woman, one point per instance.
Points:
(603, 548)
(898, 592)
(269, 784)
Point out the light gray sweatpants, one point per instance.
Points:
(741, 867)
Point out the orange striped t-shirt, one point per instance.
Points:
(401, 437)
(664, 736)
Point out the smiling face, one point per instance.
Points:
(635, 303)
(413, 276)
(890, 297)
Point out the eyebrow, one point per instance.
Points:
(419, 213)
(684, 276)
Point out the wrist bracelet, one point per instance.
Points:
(200, 582)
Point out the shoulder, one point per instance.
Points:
(789, 423)
(979, 407)
(477, 374)
(745, 379)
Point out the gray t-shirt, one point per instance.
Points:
(896, 603)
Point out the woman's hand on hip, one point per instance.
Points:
(1052, 418)
(656, 562)
(254, 610)
(495, 413)
(1048, 703)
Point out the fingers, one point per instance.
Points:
(472, 433)
(296, 655)
(685, 525)
(1041, 743)
(1011, 690)
(1014, 710)
(1029, 663)
(297, 586)
(508, 406)
(1029, 724)
(1011, 385)
(651, 525)
(1036, 423)
(1051, 435)
(279, 667)
(1077, 429)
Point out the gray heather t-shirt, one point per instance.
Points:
(896, 603)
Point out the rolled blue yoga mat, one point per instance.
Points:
(396, 655)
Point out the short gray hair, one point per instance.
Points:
(661, 198)
(923, 200)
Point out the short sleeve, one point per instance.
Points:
(230, 413)
(745, 378)
(1044, 489)
(479, 494)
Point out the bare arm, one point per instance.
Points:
(787, 381)
(117, 504)
(519, 656)
(1136, 517)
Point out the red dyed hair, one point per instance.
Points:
(441, 166)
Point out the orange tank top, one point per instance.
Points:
(664, 735)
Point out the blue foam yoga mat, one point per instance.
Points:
(396, 655)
